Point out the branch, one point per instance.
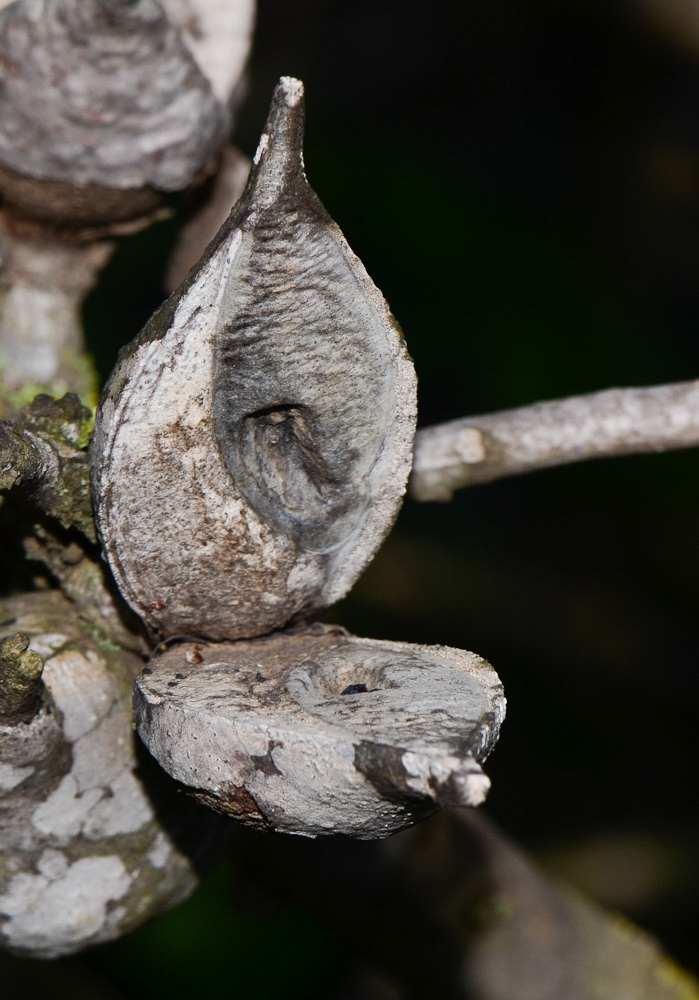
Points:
(103, 110)
(605, 424)
(261, 480)
(219, 34)
(452, 909)
(42, 453)
(94, 840)
(78, 103)
(20, 679)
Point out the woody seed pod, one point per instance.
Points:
(252, 446)
(102, 109)
(315, 731)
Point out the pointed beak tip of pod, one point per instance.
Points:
(290, 90)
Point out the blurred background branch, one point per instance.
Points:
(600, 425)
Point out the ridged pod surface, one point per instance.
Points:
(252, 446)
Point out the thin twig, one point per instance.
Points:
(605, 424)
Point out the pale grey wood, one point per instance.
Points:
(252, 446)
(204, 223)
(319, 732)
(43, 283)
(103, 92)
(599, 425)
(90, 846)
(219, 34)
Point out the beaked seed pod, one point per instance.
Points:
(252, 446)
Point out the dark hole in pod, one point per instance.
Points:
(287, 480)
(355, 689)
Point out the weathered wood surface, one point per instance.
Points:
(605, 424)
(90, 844)
(43, 283)
(218, 33)
(319, 732)
(252, 446)
(104, 105)
(43, 454)
(103, 92)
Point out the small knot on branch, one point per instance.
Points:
(45, 452)
(21, 459)
(21, 686)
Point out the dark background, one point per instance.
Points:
(521, 179)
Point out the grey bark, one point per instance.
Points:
(20, 679)
(218, 33)
(43, 282)
(103, 92)
(103, 106)
(263, 419)
(44, 452)
(89, 845)
(600, 425)
(318, 732)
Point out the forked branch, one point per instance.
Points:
(605, 424)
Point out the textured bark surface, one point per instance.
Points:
(451, 910)
(218, 33)
(252, 446)
(318, 732)
(603, 424)
(103, 92)
(20, 680)
(44, 454)
(43, 281)
(89, 846)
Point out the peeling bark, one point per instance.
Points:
(605, 424)
(90, 847)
